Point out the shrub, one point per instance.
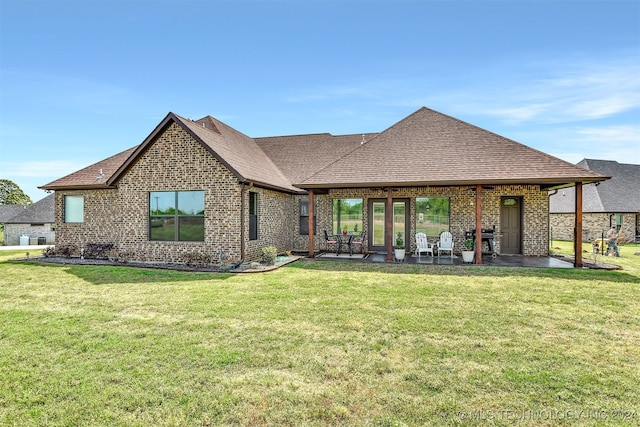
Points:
(196, 259)
(49, 252)
(268, 255)
(98, 250)
(67, 250)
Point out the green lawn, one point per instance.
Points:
(627, 260)
(318, 343)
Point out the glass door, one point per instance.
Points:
(378, 223)
(399, 224)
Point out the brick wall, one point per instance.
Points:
(276, 221)
(176, 162)
(593, 225)
(535, 212)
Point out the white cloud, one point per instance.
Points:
(585, 92)
(616, 142)
(614, 134)
(40, 169)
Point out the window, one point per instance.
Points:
(432, 215)
(347, 215)
(253, 216)
(74, 209)
(176, 216)
(304, 217)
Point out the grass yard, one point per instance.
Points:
(318, 343)
(627, 260)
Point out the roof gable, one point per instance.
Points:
(239, 153)
(431, 148)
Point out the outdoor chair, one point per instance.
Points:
(423, 245)
(330, 240)
(445, 244)
(358, 240)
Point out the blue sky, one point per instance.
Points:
(83, 80)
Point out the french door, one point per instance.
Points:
(378, 216)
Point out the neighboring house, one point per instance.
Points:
(6, 212)
(612, 202)
(37, 221)
(202, 186)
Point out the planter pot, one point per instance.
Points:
(399, 254)
(467, 256)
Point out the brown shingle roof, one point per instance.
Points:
(238, 152)
(300, 156)
(426, 148)
(431, 148)
(90, 177)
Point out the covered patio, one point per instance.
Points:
(499, 261)
(486, 180)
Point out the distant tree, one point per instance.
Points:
(11, 194)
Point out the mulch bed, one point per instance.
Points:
(248, 267)
(590, 263)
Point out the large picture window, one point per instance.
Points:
(432, 215)
(347, 215)
(74, 209)
(176, 216)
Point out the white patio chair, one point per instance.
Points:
(446, 243)
(422, 245)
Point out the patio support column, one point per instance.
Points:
(389, 225)
(478, 254)
(312, 248)
(577, 238)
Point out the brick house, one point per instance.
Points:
(612, 202)
(202, 186)
(36, 221)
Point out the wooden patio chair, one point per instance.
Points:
(445, 244)
(423, 245)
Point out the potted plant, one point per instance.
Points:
(467, 252)
(344, 230)
(399, 250)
